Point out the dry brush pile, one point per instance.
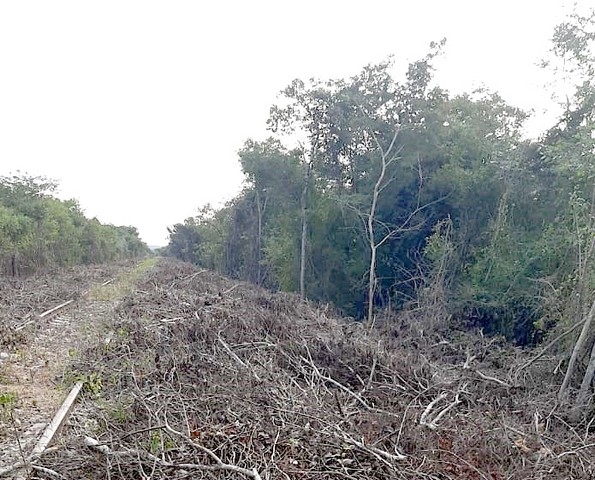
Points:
(23, 298)
(204, 377)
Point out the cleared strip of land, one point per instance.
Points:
(48, 321)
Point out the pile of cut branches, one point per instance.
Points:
(204, 377)
(22, 298)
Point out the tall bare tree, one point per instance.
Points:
(304, 219)
(387, 157)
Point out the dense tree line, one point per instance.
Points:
(377, 192)
(38, 230)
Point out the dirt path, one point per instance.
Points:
(35, 378)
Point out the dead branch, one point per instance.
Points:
(576, 351)
(220, 465)
(378, 453)
(468, 361)
(428, 409)
(433, 424)
(55, 309)
(233, 355)
(337, 384)
(132, 452)
(335, 399)
(24, 464)
(544, 350)
(48, 471)
(58, 419)
(493, 379)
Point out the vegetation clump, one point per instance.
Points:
(396, 188)
(38, 231)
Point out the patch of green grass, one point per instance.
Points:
(160, 443)
(108, 293)
(8, 401)
(139, 270)
(120, 411)
(21, 354)
(92, 383)
(124, 285)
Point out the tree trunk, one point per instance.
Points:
(576, 351)
(371, 238)
(260, 210)
(581, 398)
(304, 214)
(373, 247)
(13, 265)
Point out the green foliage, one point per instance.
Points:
(184, 240)
(501, 226)
(8, 399)
(38, 230)
(8, 402)
(92, 383)
(281, 256)
(160, 442)
(339, 256)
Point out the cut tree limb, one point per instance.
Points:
(576, 351)
(44, 314)
(433, 424)
(23, 464)
(219, 464)
(377, 452)
(583, 393)
(58, 419)
(55, 309)
(548, 346)
(233, 355)
(494, 379)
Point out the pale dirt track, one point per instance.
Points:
(34, 373)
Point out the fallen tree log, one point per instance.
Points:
(58, 420)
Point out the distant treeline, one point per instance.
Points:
(38, 230)
(466, 218)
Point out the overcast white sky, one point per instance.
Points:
(138, 108)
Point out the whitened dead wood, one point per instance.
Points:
(55, 309)
(44, 314)
(58, 420)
